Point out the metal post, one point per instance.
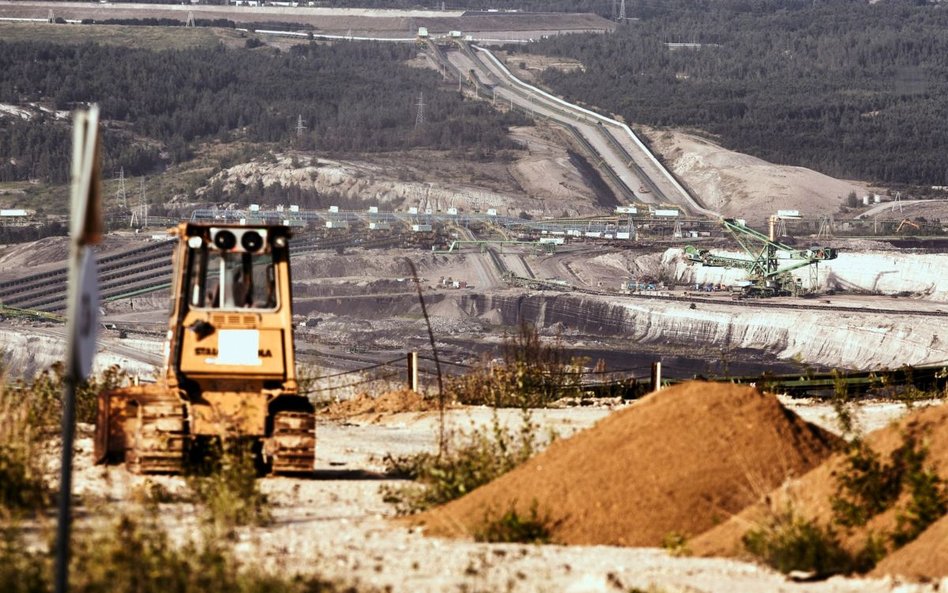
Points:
(656, 376)
(413, 371)
(65, 480)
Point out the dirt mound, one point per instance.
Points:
(926, 557)
(392, 402)
(679, 460)
(810, 498)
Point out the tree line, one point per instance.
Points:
(848, 88)
(157, 105)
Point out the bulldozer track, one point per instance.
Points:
(158, 441)
(293, 444)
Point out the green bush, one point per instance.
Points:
(45, 394)
(676, 543)
(512, 528)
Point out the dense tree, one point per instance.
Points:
(845, 87)
(353, 97)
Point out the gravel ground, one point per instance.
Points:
(339, 526)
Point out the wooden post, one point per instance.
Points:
(656, 376)
(413, 371)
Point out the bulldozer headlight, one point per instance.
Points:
(225, 240)
(251, 241)
(231, 240)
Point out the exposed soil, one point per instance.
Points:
(677, 461)
(810, 497)
(744, 186)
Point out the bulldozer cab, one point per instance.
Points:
(232, 313)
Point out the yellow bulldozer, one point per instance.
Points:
(229, 360)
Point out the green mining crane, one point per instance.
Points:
(770, 262)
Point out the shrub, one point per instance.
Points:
(22, 486)
(45, 394)
(866, 486)
(928, 501)
(532, 374)
(512, 528)
(469, 461)
(788, 543)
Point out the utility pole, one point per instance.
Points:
(622, 11)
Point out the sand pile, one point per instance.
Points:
(365, 406)
(680, 461)
(810, 498)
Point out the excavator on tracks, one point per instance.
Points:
(229, 360)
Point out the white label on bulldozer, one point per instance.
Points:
(237, 347)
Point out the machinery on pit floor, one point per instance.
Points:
(229, 360)
(769, 263)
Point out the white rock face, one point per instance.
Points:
(877, 273)
(831, 338)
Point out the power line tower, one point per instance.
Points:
(121, 193)
(299, 126)
(826, 227)
(622, 11)
(140, 214)
(190, 22)
(420, 111)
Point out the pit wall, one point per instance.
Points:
(828, 338)
(876, 273)
(825, 338)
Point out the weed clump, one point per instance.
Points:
(532, 374)
(790, 543)
(511, 527)
(22, 486)
(45, 394)
(224, 482)
(134, 552)
(467, 462)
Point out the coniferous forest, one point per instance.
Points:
(352, 97)
(847, 88)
